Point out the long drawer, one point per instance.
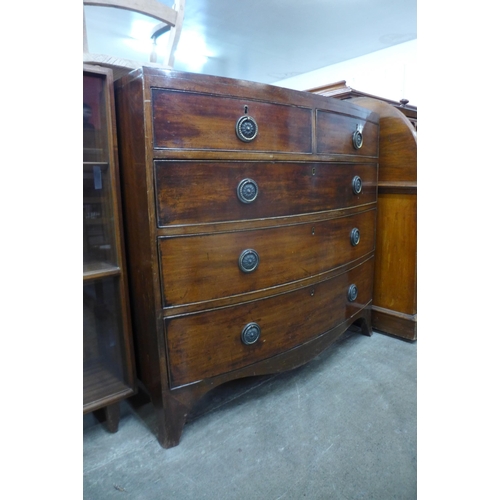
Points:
(208, 344)
(205, 267)
(188, 120)
(197, 192)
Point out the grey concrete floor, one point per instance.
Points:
(340, 427)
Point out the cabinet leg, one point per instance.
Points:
(112, 417)
(364, 323)
(172, 411)
(366, 328)
(171, 422)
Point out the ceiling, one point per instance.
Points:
(260, 40)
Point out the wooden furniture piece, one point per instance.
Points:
(340, 90)
(170, 20)
(108, 368)
(250, 227)
(394, 309)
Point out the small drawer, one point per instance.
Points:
(196, 192)
(205, 267)
(208, 344)
(342, 134)
(188, 120)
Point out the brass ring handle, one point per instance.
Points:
(247, 190)
(250, 333)
(357, 184)
(352, 293)
(248, 260)
(246, 128)
(355, 236)
(357, 137)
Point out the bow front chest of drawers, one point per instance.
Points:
(250, 216)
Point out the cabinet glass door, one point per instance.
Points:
(108, 373)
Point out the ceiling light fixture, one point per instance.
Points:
(192, 50)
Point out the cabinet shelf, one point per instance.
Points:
(95, 270)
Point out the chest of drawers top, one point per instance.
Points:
(191, 114)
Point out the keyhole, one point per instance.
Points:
(312, 292)
(246, 109)
(312, 232)
(314, 171)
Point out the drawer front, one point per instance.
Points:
(335, 134)
(206, 267)
(212, 343)
(187, 120)
(195, 192)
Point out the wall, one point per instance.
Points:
(389, 73)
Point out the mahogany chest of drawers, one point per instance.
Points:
(250, 215)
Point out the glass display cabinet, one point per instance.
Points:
(108, 367)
